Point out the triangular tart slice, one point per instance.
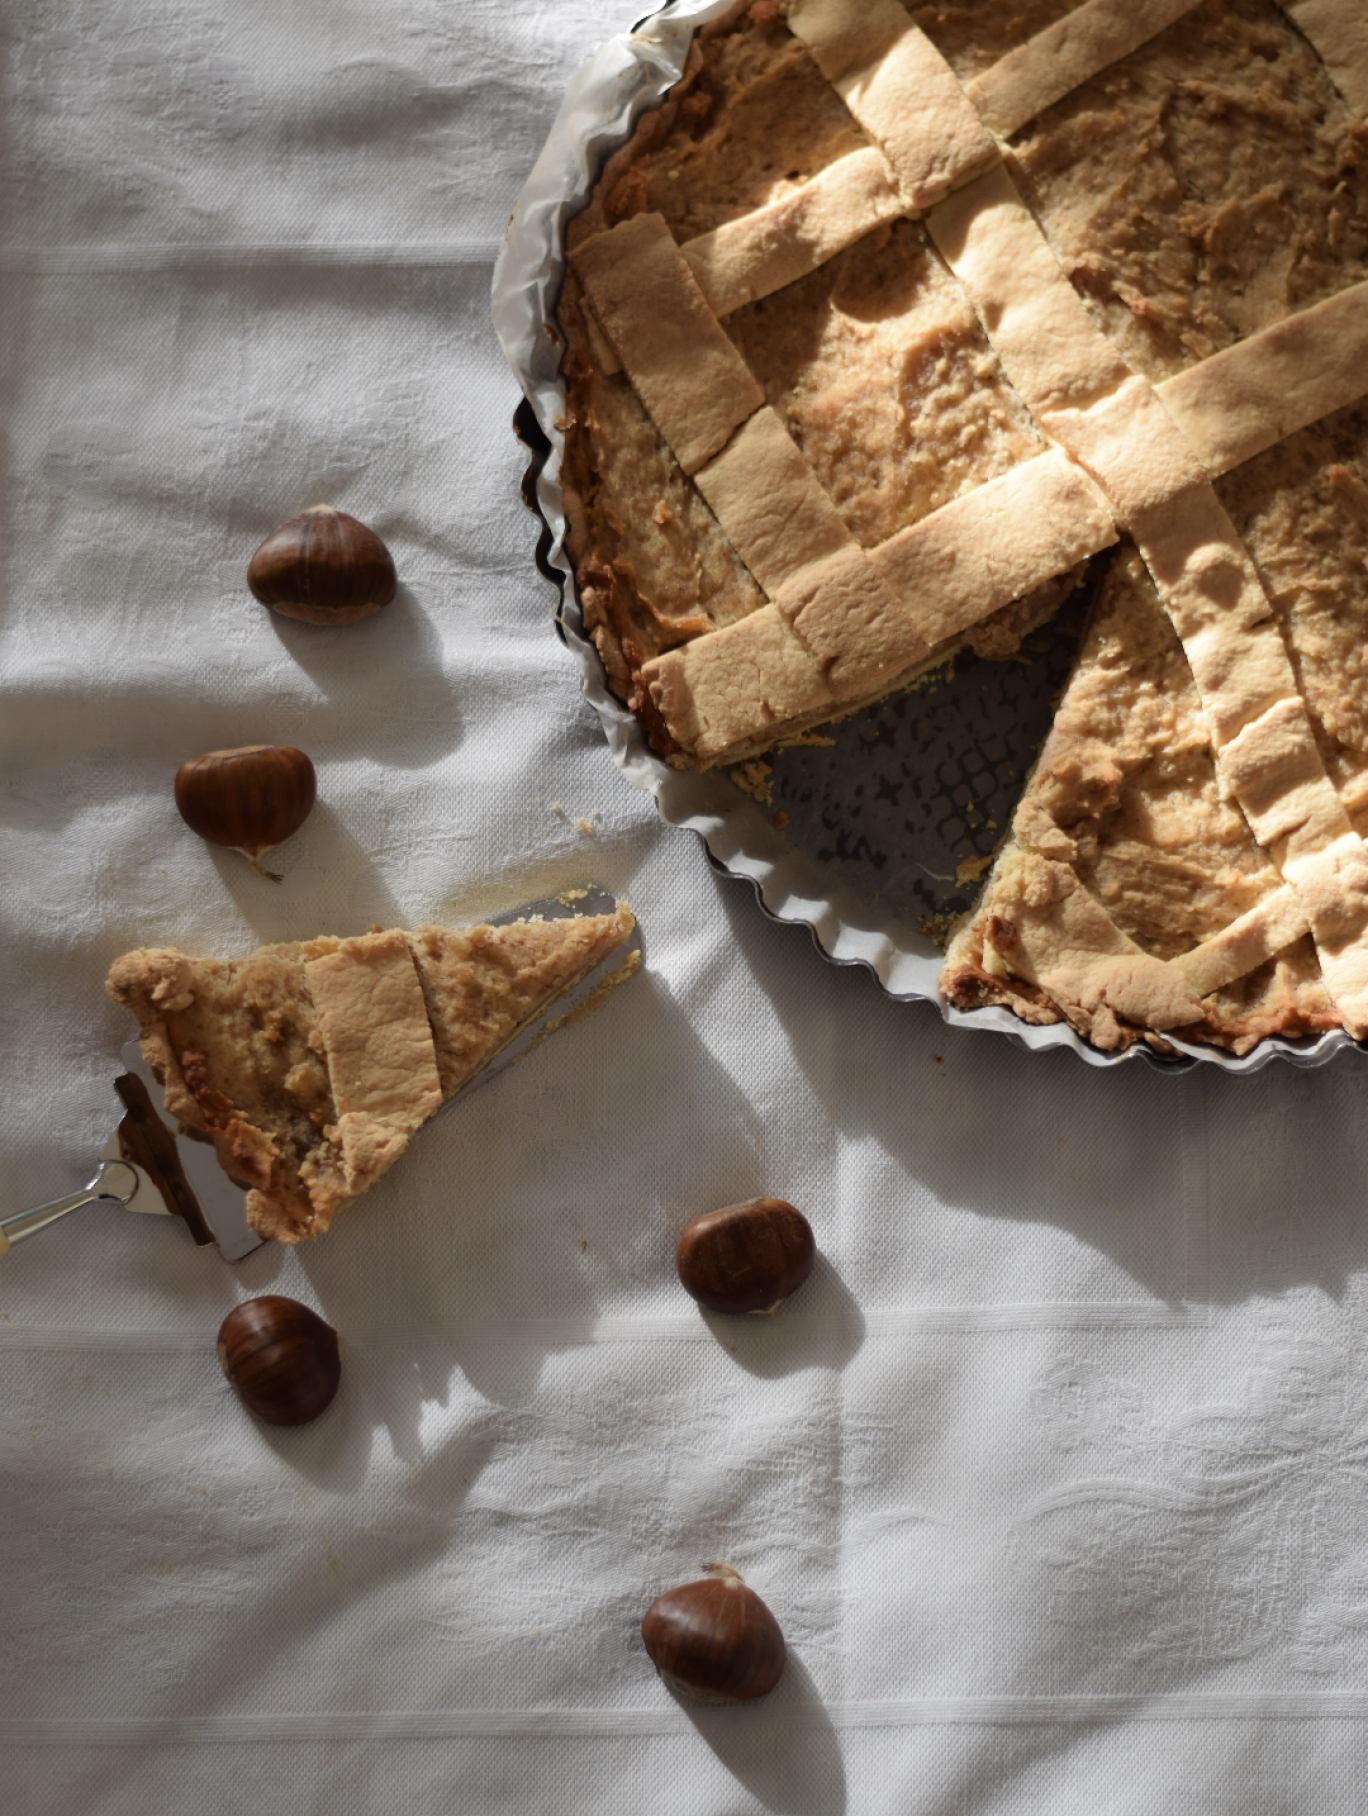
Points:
(309, 1066)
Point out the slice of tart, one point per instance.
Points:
(892, 316)
(310, 1066)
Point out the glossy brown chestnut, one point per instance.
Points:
(746, 1258)
(281, 1359)
(247, 799)
(715, 1639)
(323, 567)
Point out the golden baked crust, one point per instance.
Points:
(310, 1066)
(1015, 284)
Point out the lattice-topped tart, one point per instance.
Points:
(889, 321)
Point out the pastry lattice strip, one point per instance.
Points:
(1066, 55)
(1239, 402)
(901, 90)
(795, 660)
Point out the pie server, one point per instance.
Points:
(148, 1164)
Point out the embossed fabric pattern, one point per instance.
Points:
(1053, 1474)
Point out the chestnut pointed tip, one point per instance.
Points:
(249, 799)
(715, 1640)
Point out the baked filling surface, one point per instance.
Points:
(892, 316)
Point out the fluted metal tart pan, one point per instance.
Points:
(873, 827)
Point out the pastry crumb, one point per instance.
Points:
(753, 779)
(941, 928)
(781, 821)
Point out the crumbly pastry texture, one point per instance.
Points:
(310, 1066)
(896, 313)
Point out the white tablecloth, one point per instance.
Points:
(1056, 1475)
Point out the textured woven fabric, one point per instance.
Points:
(1055, 1473)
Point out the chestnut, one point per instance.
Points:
(715, 1639)
(746, 1258)
(281, 1359)
(323, 567)
(248, 799)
